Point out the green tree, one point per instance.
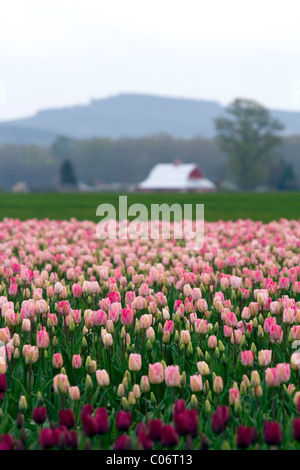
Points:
(288, 178)
(248, 136)
(67, 174)
(62, 147)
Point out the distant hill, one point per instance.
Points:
(127, 115)
(13, 134)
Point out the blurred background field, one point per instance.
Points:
(226, 206)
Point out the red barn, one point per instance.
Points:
(177, 176)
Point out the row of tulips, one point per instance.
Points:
(183, 432)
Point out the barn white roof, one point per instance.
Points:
(170, 176)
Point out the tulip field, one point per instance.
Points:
(145, 344)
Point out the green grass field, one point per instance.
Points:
(226, 206)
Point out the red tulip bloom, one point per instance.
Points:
(7, 442)
(219, 419)
(123, 420)
(140, 427)
(155, 429)
(186, 422)
(145, 441)
(246, 435)
(73, 439)
(123, 442)
(3, 383)
(89, 425)
(169, 436)
(101, 418)
(40, 414)
(272, 433)
(179, 406)
(296, 429)
(66, 418)
(48, 438)
(86, 410)
(67, 438)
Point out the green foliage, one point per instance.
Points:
(62, 147)
(226, 206)
(248, 137)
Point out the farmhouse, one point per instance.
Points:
(177, 176)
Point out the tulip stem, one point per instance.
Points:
(273, 404)
(285, 336)
(283, 409)
(29, 385)
(143, 347)
(31, 330)
(158, 401)
(109, 362)
(146, 406)
(9, 370)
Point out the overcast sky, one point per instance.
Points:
(56, 53)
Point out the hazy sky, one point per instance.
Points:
(56, 53)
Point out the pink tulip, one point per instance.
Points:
(99, 317)
(77, 291)
(295, 332)
(127, 316)
(230, 319)
(57, 361)
(271, 376)
(185, 337)
(247, 358)
(284, 283)
(234, 395)
(102, 378)
(156, 373)
(236, 282)
(31, 353)
(28, 308)
(74, 393)
(169, 327)
(268, 323)
(76, 361)
(13, 289)
(227, 331)
(42, 339)
(196, 383)
(61, 384)
(200, 326)
(64, 308)
(135, 362)
(264, 357)
(276, 334)
(236, 337)
(289, 315)
(283, 372)
(145, 321)
(172, 376)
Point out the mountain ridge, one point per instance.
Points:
(132, 115)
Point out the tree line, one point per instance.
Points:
(247, 151)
